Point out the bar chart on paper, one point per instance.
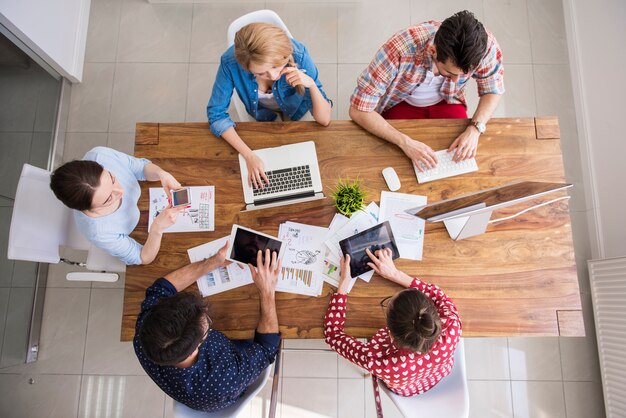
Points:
(302, 259)
(297, 275)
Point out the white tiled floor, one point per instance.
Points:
(154, 62)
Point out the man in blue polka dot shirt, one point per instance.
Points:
(192, 363)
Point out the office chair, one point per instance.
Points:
(448, 399)
(41, 224)
(183, 411)
(259, 16)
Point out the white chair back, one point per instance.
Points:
(449, 398)
(40, 224)
(183, 411)
(259, 16)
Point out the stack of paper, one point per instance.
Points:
(312, 254)
(341, 228)
(223, 278)
(199, 217)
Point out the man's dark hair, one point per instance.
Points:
(74, 183)
(174, 328)
(462, 39)
(413, 320)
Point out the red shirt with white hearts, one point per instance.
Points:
(405, 372)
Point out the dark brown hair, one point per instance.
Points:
(74, 183)
(174, 328)
(413, 320)
(462, 39)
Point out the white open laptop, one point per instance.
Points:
(293, 173)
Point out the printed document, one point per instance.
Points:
(220, 279)
(199, 217)
(408, 230)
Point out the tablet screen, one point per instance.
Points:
(247, 243)
(374, 238)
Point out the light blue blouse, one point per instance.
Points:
(111, 232)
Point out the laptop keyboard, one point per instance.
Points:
(286, 179)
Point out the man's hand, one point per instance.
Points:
(218, 259)
(421, 154)
(187, 275)
(166, 218)
(466, 144)
(265, 275)
(346, 276)
(256, 172)
(169, 183)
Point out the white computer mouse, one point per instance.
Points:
(391, 178)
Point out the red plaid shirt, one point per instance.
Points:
(401, 64)
(404, 372)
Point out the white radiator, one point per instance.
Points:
(608, 293)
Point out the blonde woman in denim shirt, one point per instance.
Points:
(272, 75)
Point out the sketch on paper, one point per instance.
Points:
(302, 264)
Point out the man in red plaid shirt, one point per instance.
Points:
(422, 72)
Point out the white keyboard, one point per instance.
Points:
(445, 167)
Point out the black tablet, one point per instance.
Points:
(374, 238)
(244, 244)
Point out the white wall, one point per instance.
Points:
(596, 32)
(56, 30)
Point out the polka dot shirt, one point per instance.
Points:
(404, 372)
(221, 374)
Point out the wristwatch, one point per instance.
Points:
(481, 127)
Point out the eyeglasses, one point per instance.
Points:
(209, 327)
(384, 303)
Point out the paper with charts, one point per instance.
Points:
(199, 217)
(331, 261)
(408, 230)
(303, 259)
(340, 228)
(220, 279)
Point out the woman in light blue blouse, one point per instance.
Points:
(273, 75)
(103, 188)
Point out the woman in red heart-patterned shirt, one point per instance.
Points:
(415, 351)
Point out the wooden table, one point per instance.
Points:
(519, 278)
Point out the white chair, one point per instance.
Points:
(41, 224)
(448, 399)
(183, 411)
(259, 16)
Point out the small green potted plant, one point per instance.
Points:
(349, 196)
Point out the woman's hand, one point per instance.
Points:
(295, 77)
(256, 172)
(169, 183)
(346, 276)
(166, 218)
(382, 263)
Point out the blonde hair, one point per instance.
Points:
(263, 43)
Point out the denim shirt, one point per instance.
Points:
(231, 75)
